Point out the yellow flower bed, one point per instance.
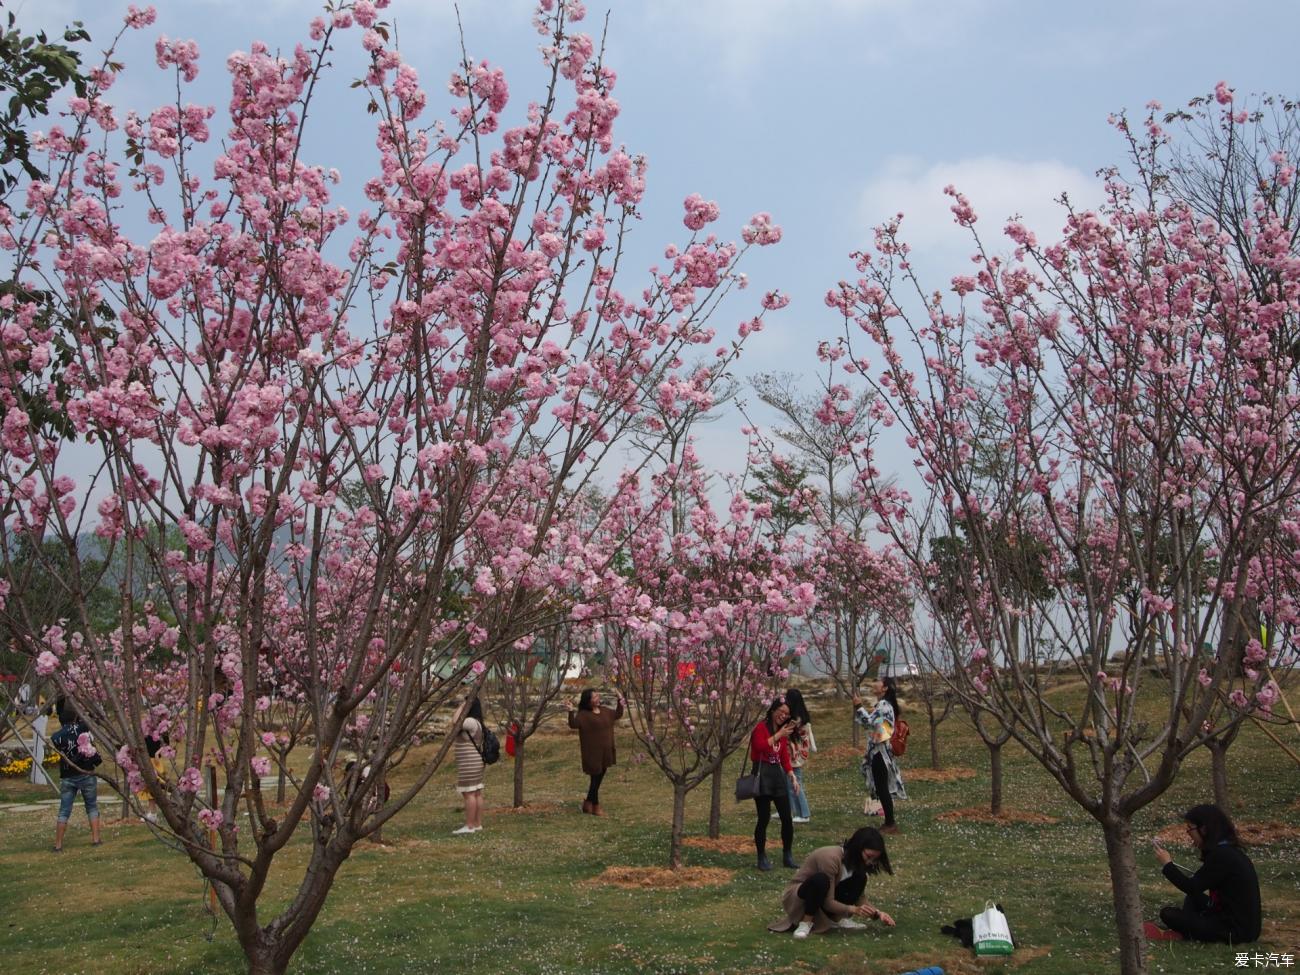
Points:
(17, 768)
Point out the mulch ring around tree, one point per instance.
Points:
(1257, 834)
(527, 809)
(981, 814)
(660, 878)
(723, 844)
(954, 774)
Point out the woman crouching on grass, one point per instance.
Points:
(825, 891)
(1222, 902)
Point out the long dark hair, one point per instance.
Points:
(866, 838)
(584, 700)
(891, 695)
(771, 710)
(794, 700)
(1215, 826)
(475, 710)
(798, 712)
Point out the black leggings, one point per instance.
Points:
(764, 806)
(814, 890)
(593, 790)
(1195, 922)
(880, 776)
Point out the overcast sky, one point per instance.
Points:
(830, 114)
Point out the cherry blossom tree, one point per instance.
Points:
(349, 447)
(1148, 390)
(702, 632)
(924, 648)
(1223, 169)
(530, 676)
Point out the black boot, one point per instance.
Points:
(763, 862)
(788, 861)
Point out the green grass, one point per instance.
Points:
(518, 897)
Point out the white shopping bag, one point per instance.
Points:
(991, 931)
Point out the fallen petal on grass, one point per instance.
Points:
(981, 814)
(954, 774)
(527, 809)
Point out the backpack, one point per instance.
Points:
(898, 743)
(490, 751)
(64, 741)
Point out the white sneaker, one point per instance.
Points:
(803, 930)
(462, 831)
(848, 924)
(799, 819)
(477, 829)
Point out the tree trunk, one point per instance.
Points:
(995, 773)
(934, 741)
(280, 784)
(715, 803)
(1219, 773)
(1128, 902)
(268, 950)
(519, 771)
(857, 730)
(679, 823)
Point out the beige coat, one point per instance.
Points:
(825, 859)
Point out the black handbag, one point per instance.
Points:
(749, 786)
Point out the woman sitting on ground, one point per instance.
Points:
(825, 891)
(1222, 902)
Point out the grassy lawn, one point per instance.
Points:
(519, 897)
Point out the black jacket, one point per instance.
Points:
(1229, 877)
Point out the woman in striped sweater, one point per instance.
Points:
(469, 763)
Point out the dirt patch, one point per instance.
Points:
(1023, 955)
(1284, 932)
(1252, 834)
(723, 844)
(954, 961)
(954, 774)
(981, 814)
(527, 809)
(659, 878)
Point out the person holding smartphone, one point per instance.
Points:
(802, 744)
(1222, 902)
(879, 766)
(769, 750)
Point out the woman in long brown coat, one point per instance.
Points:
(596, 736)
(826, 888)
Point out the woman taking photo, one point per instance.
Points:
(879, 766)
(595, 726)
(769, 750)
(825, 891)
(1222, 902)
(469, 764)
(802, 743)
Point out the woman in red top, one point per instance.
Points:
(769, 750)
